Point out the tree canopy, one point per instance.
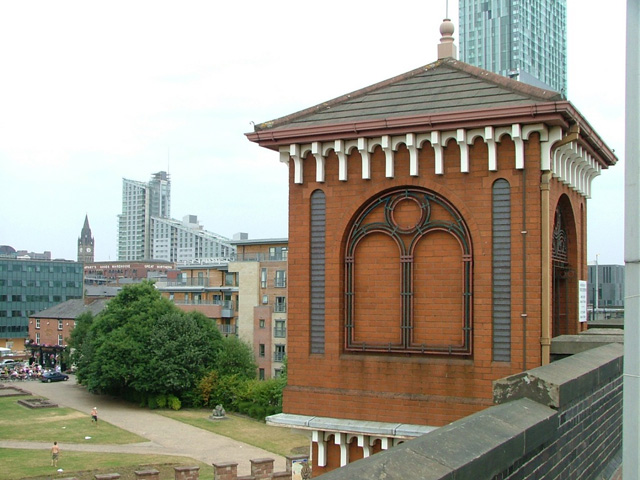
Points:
(143, 344)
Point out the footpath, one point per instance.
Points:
(165, 436)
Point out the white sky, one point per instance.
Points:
(91, 93)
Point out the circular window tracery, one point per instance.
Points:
(408, 216)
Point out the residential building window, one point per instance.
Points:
(278, 355)
(261, 373)
(278, 253)
(60, 339)
(263, 278)
(59, 324)
(281, 305)
(261, 350)
(38, 338)
(280, 331)
(37, 323)
(265, 299)
(261, 322)
(229, 279)
(281, 278)
(277, 372)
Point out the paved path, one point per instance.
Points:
(166, 436)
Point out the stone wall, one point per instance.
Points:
(559, 421)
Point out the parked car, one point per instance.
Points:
(54, 377)
(8, 362)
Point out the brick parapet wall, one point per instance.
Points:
(521, 438)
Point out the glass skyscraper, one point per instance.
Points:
(140, 202)
(523, 39)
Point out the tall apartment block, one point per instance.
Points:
(244, 296)
(186, 240)
(140, 202)
(521, 39)
(29, 286)
(261, 266)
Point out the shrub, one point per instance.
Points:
(173, 402)
(161, 400)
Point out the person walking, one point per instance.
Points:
(55, 453)
(94, 415)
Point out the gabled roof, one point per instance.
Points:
(72, 309)
(445, 95)
(447, 85)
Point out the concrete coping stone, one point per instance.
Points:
(358, 427)
(186, 469)
(564, 381)
(225, 464)
(107, 476)
(459, 450)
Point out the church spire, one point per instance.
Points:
(85, 243)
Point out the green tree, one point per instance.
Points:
(142, 345)
(236, 358)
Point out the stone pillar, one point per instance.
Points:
(262, 468)
(295, 458)
(187, 473)
(150, 474)
(225, 471)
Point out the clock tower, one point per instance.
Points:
(85, 243)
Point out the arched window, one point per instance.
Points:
(408, 276)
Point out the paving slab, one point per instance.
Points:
(166, 436)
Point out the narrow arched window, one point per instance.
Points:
(501, 270)
(317, 264)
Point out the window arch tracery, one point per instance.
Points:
(408, 276)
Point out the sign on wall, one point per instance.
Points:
(582, 300)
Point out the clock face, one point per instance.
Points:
(88, 249)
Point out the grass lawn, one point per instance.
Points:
(63, 425)
(67, 426)
(36, 464)
(282, 441)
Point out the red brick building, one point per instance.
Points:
(437, 233)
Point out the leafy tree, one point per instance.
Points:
(78, 336)
(142, 346)
(236, 358)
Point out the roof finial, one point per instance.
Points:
(446, 47)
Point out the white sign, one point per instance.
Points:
(582, 300)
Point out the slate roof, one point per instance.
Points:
(446, 85)
(71, 309)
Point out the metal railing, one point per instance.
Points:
(227, 329)
(278, 356)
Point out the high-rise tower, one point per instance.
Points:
(86, 243)
(140, 202)
(521, 39)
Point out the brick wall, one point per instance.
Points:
(432, 390)
(563, 420)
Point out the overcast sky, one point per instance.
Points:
(92, 93)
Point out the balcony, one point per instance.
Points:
(280, 332)
(278, 356)
(227, 329)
